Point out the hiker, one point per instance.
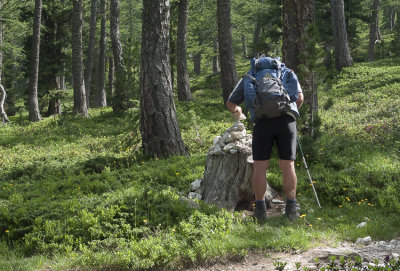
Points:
(280, 130)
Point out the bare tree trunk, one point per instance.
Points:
(101, 99)
(256, 37)
(89, 61)
(215, 58)
(80, 106)
(244, 46)
(120, 98)
(226, 55)
(3, 93)
(111, 77)
(161, 136)
(197, 61)
(297, 15)
(340, 41)
(374, 35)
(184, 93)
(3, 113)
(34, 114)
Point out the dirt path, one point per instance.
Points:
(376, 250)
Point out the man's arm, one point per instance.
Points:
(300, 100)
(300, 96)
(236, 111)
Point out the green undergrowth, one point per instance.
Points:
(76, 193)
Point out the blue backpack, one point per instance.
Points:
(270, 89)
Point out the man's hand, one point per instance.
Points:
(236, 111)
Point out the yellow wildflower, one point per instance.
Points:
(318, 218)
(344, 188)
(7, 231)
(303, 215)
(340, 206)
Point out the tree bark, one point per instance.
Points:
(101, 99)
(374, 35)
(197, 61)
(215, 58)
(120, 96)
(297, 15)
(340, 41)
(3, 114)
(3, 93)
(184, 93)
(161, 136)
(244, 46)
(256, 37)
(80, 106)
(34, 114)
(226, 55)
(111, 77)
(90, 51)
(228, 180)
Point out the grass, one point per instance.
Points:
(77, 193)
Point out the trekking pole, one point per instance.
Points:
(308, 172)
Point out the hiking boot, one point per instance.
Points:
(292, 212)
(260, 214)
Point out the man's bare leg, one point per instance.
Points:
(289, 186)
(289, 178)
(260, 178)
(260, 185)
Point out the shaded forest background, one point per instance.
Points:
(99, 44)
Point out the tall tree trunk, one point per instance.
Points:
(215, 57)
(3, 94)
(340, 41)
(161, 136)
(197, 60)
(256, 37)
(90, 51)
(101, 92)
(120, 96)
(184, 93)
(244, 46)
(374, 35)
(34, 114)
(297, 15)
(226, 56)
(111, 70)
(80, 106)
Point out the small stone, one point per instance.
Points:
(312, 267)
(277, 201)
(364, 241)
(195, 185)
(193, 195)
(233, 151)
(216, 140)
(363, 224)
(228, 147)
(229, 139)
(395, 256)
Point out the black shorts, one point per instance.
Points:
(281, 130)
